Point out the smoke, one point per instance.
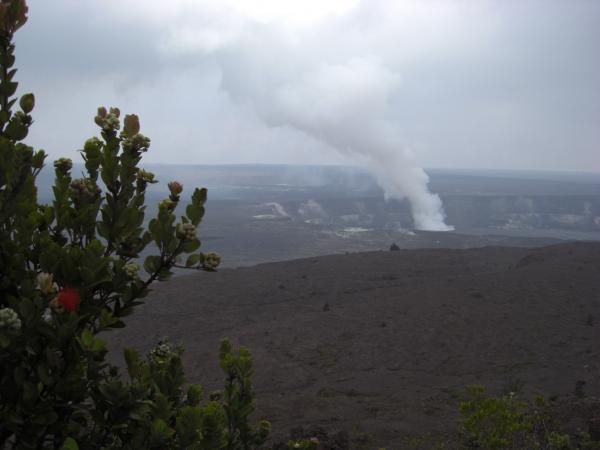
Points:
(312, 209)
(344, 105)
(278, 210)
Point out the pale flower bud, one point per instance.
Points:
(63, 166)
(131, 124)
(9, 319)
(175, 187)
(131, 269)
(45, 283)
(27, 103)
(47, 315)
(167, 204)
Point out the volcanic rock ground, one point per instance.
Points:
(380, 343)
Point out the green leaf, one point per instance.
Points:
(11, 74)
(19, 375)
(103, 230)
(8, 88)
(70, 444)
(98, 345)
(199, 196)
(16, 130)
(191, 246)
(192, 260)
(106, 319)
(160, 433)
(86, 340)
(27, 309)
(195, 210)
(193, 213)
(4, 340)
(38, 159)
(27, 103)
(188, 425)
(30, 392)
(162, 407)
(132, 359)
(152, 264)
(154, 228)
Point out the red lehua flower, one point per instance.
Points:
(69, 298)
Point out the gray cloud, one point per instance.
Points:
(500, 84)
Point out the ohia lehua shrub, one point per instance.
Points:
(70, 270)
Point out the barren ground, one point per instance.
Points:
(379, 344)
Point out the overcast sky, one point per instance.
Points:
(505, 84)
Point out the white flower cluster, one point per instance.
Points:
(83, 190)
(131, 269)
(211, 261)
(136, 143)
(108, 120)
(145, 176)
(163, 349)
(9, 319)
(186, 231)
(162, 352)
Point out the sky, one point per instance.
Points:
(496, 84)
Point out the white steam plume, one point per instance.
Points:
(343, 104)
